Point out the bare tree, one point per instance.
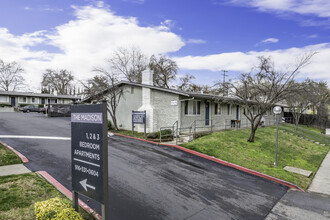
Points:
(164, 70)
(10, 76)
(319, 98)
(298, 101)
(130, 62)
(264, 88)
(185, 82)
(95, 86)
(57, 80)
(107, 83)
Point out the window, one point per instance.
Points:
(192, 108)
(34, 100)
(52, 101)
(217, 109)
(3, 98)
(132, 90)
(229, 109)
(22, 99)
(186, 107)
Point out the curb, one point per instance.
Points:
(67, 193)
(21, 156)
(247, 170)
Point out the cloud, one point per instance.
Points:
(319, 8)
(270, 40)
(196, 41)
(85, 42)
(312, 36)
(306, 12)
(244, 61)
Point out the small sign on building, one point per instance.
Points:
(174, 103)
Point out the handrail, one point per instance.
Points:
(169, 127)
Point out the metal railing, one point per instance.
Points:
(174, 133)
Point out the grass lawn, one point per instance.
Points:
(307, 132)
(18, 193)
(8, 157)
(129, 133)
(232, 146)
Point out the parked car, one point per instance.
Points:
(30, 108)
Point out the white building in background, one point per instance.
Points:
(16, 99)
(166, 107)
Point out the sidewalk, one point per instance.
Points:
(321, 181)
(13, 170)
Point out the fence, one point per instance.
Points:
(59, 110)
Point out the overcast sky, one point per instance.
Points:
(203, 36)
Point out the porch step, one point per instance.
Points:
(184, 138)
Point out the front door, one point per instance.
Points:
(207, 113)
(13, 101)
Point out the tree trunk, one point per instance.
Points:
(253, 132)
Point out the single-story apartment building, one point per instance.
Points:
(17, 98)
(170, 107)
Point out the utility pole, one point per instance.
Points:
(224, 76)
(224, 81)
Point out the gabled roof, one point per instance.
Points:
(32, 94)
(175, 91)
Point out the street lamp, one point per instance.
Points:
(277, 110)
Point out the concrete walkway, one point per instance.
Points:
(321, 181)
(13, 170)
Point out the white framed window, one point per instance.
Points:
(4, 98)
(229, 109)
(192, 107)
(217, 109)
(22, 99)
(132, 90)
(34, 100)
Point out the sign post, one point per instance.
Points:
(139, 117)
(277, 111)
(89, 154)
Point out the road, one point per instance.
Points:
(147, 181)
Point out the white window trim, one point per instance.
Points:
(7, 98)
(36, 100)
(191, 107)
(21, 98)
(220, 109)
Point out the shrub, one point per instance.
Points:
(55, 208)
(165, 134)
(5, 105)
(153, 135)
(23, 105)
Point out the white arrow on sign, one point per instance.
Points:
(85, 185)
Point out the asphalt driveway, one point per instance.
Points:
(147, 181)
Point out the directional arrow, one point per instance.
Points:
(85, 185)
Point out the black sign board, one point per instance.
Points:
(138, 117)
(89, 151)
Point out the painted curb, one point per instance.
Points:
(21, 156)
(247, 170)
(67, 193)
